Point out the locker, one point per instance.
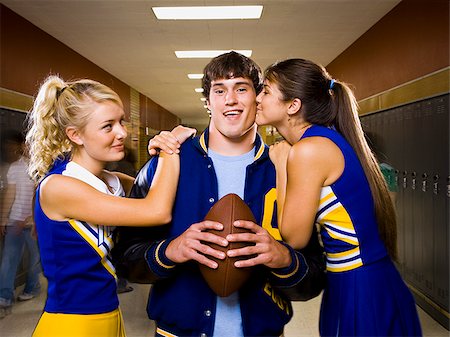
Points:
(394, 150)
(409, 132)
(416, 138)
(425, 199)
(441, 200)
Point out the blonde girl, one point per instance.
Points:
(75, 128)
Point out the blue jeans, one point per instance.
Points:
(13, 249)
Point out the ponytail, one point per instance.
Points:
(347, 123)
(46, 140)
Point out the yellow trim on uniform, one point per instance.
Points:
(157, 257)
(109, 324)
(164, 333)
(327, 197)
(260, 151)
(338, 217)
(203, 142)
(94, 245)
(353, 242)
(297, 265)
(343, 254)
(269, 206)
(345, 268)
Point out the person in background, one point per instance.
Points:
(9, 153)
(75, 129)
(16, 226)
(327, 174)
(228, 157)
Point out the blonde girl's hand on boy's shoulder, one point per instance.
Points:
(182, 133)
(170, 141)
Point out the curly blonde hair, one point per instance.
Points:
(58, 105)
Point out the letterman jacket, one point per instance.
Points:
(180, 301)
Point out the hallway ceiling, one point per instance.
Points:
(124, 38)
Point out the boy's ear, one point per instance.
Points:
(74, 135)
(294, 106)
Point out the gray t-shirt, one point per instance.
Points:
(230, 172)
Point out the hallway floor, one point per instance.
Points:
(26, 314)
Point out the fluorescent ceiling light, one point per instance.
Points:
(198, 89)
(195, 76)
(182, 54)
(208, 12)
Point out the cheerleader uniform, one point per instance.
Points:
(365, 295)
(82, 291)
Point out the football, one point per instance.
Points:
(226, 278)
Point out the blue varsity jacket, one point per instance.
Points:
(180, 301)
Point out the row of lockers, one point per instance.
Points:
(414, 140)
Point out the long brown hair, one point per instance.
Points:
(329, 102)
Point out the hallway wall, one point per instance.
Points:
(28, 55)
(408, 43)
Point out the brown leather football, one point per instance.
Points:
(226, 278)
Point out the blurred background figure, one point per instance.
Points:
(16, 224)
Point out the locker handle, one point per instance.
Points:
(424, 182)
(436, 184)
(448, 187)
(405, 179)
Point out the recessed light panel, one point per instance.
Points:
(208, 12)
(195, 76)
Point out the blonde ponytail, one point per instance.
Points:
(46, 140)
